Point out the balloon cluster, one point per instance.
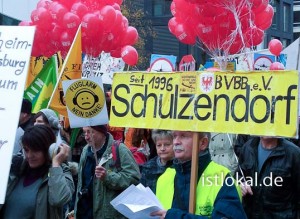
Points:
(104, 28)
(220, 27)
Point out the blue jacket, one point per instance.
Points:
(226, 205)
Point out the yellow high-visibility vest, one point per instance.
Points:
(208, 188)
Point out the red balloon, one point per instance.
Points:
(116, 53)
(261, 7)
(184, 35)
(66, 40)
(265, 16)
(236, 45)
(56, 32)
(172, 24)
(131, 36)
(44, 4)
(265, 26)
(275, 47)
(41, 17)
(129, 55)
(67, 3)
(276, 66)
(91, 25)
(79, 9)
(71, 21)
(205, 32)
(116, 7)
(108, 16)
(253, 36)
(173, 8)
(57, 11)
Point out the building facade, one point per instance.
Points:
(296, 23)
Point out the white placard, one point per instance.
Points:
(86, 102)
(15, 49)
(104, 65)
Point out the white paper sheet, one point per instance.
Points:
(137, 202)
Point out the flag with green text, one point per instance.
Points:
(41, 88)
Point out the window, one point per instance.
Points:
(286, 17)
(285, 42)
(161, 8)
(275, 5)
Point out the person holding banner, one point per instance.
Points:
(217, 195)
(106, 168)
(39, 185)
(271, 174)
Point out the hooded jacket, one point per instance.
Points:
(54, 192)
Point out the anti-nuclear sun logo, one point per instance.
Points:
(85, 98)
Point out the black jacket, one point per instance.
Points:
(271, 201)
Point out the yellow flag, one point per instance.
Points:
(36, 65)
(71, 69)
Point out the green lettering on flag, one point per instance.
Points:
(41, 88)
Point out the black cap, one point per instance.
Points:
(26, 106)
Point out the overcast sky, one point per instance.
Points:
(19, 9)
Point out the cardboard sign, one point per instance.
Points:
(256, 103)
(15, 49)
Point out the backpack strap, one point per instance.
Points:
(116, 154)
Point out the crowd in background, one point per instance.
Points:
(49, 179)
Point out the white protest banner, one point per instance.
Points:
(15, 49)
(104, 65)
(86, 103)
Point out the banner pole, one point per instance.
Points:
(194, 173)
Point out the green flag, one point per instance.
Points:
(41, 88)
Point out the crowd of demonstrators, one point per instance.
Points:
(106, 160)
(100, 177)
(39, 186)
(214, 199)
(270, 168)
(156, 166)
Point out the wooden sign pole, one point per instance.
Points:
(194, 173)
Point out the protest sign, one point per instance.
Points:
(187, 63)
(15, 46)
(86, 103)
(104, 65)
(256, 103)
(162, 63)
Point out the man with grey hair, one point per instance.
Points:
(217, 196)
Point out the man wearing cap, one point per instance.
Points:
(100, 180)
